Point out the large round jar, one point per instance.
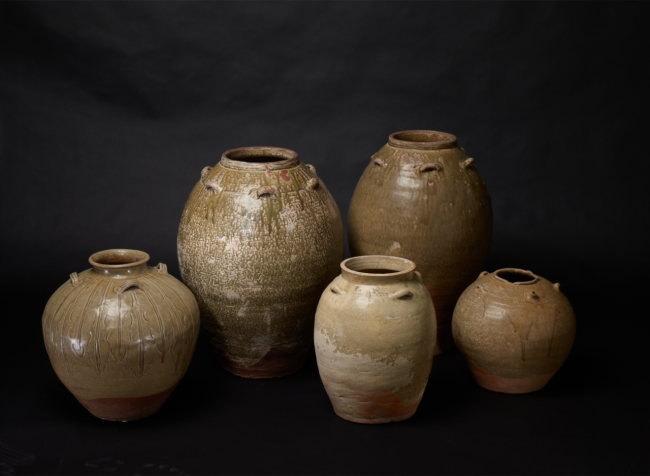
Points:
(375, 336)
(259, 240)
(515, 329)
(421, 198)
(121, 335)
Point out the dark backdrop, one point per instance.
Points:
(109, 111)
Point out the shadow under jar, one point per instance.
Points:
(259, 240)
(515, 330)
(121, 335)
(375, 336)
(421, 198)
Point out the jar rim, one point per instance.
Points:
(422, 139)
(252, 158)
(400, 266)
(118, 258)
(507, 276)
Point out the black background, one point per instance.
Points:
(109, 111)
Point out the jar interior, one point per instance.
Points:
(422, 136)
(118, 257)
(515, 276)
(378, 265)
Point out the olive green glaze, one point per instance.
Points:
(421, 198)
(375, 335)
(259, 240)
(511, 326)
(121, 331)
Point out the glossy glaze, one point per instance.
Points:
(259, 240)
(375, 337)
(422, 198)
(121, 335)
(515, 330)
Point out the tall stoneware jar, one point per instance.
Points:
(422, 198)
(515, 329)
(259, 240)
(121, 335)
(375, 336)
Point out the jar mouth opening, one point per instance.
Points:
(262, 158)
(118, 258)
(422, 139)
(515, 276)
(378, 266)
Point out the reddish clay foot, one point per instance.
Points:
(495, 383)
(380, 407)
(126, 409)
(276, 363)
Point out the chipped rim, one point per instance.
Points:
(422, 139)
(280, 158)
(534, 279)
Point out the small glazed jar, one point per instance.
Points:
(121, 335)
(375, 336)
(515, 330)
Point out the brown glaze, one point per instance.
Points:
(121, 332)
(375, 335)
(515, 330)
(378, 407)
(259, 240)
(422, 198)
(495, 383)
(276, 363)
(126, 409)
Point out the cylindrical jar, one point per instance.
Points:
(422, 198)
(515, 330)
(259, 240)
(375, 336)
(121, 335)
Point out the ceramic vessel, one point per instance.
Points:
(421, 198)
(375, 336)
(259, 240)
(515, 329)
(121, 335)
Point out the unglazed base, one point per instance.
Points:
(380, 407)
(126, 409)
(276, 363)
(495, 383)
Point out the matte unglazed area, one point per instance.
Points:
(515, 330)
(375, 335)
(259, 240)
(121, 335)
(422, 198)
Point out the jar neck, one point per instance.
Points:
(119, 263)
(423, 140)
(377, 270)
(260, 158)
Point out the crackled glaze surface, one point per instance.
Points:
(259, 239)
(422, 198)
(120, 334)
(375, 336)
(515, 330)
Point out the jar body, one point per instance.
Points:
(257, 244)
(429, 206)
(121, 343)
(374, 344)
(513, 336)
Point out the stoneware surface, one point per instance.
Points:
(515, 329)
(422, 198)
(375, 335)
(259, 240)
(121, 335)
